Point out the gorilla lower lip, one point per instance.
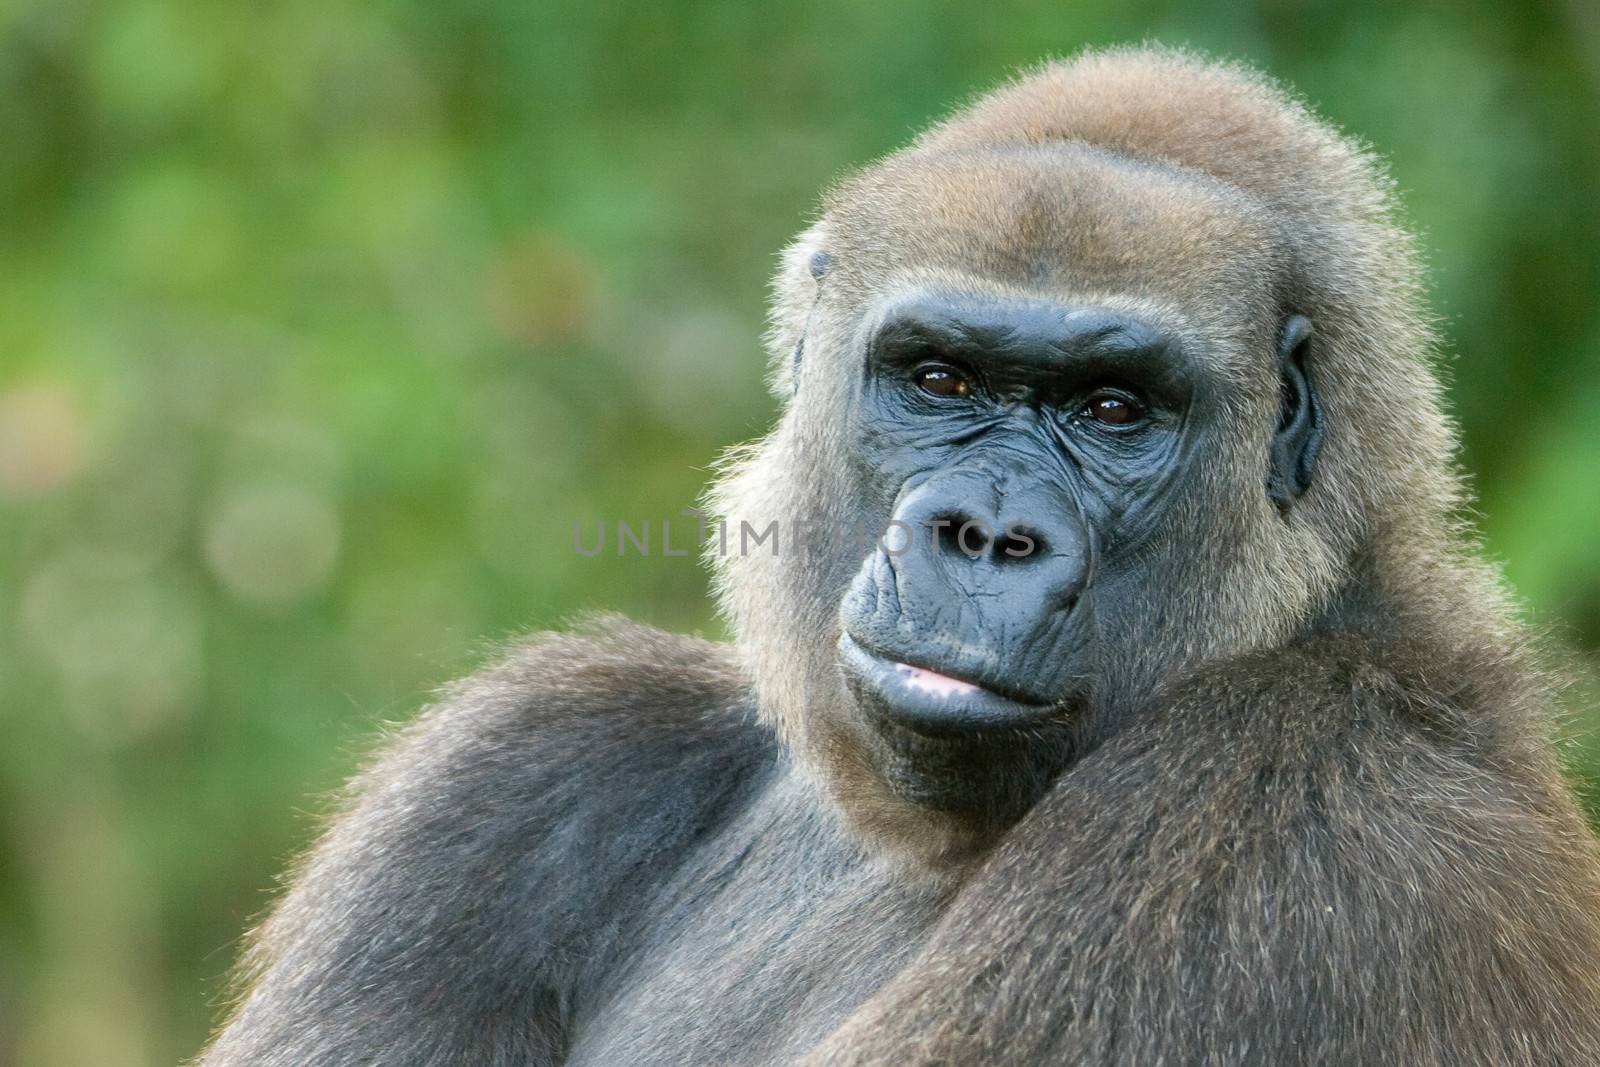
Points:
(933, 682)
(928, 701)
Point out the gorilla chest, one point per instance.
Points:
(754, 956)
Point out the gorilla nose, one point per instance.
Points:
(964, 528)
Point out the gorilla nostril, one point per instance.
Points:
(955, 531)
(1019, 542)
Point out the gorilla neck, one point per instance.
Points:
(1444, 598)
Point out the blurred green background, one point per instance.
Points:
(321, 323)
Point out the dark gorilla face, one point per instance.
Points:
(1051, 412)
(1025, 453)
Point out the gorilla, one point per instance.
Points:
(1173, 718)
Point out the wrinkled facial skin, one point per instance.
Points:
(1023, 454)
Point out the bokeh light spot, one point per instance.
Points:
(272, 546)
(42, 439)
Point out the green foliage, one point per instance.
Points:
(321, 324)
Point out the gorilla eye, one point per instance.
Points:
(943, 381)
(1113, 409)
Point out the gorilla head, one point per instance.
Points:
(1119, 401)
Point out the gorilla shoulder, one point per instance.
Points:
(496, 839)
(617, 737)
(638, 734)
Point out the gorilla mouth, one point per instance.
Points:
(931, 702)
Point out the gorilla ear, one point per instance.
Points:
(818, 265)
(1299, 436)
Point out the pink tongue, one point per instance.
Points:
(934, 682)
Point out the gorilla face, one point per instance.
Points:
(1027, 453)
(1071, 394)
